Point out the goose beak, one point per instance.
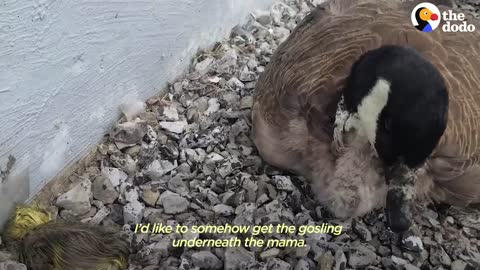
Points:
(397, 212)
(401, 180)
(434, 17)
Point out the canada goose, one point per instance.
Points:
(372, 111)
(43, 244)
(423, 15)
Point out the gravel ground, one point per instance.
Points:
(186, 158)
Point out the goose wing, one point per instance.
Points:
(455, 164)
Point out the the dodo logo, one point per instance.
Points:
(426, 17)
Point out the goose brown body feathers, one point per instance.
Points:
(297, 95)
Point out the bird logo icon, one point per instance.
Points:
(426, 17)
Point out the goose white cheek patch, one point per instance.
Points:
(341, 117)
(345, 122)
(365, 121)
(371, 107)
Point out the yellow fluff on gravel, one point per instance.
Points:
(25, 219)
(42, 243)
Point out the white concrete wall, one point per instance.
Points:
(65, 66)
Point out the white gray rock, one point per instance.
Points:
(224, 210)
(133, 212)
(201, 104)
(170, 113)
(458, 265)
(246, 75)
(115, 175)
(154, 215)
(246, 102)
(203, 66)
(206, 260)
(269, 253)
(340, 260)
(129, 133)
(228, 61)
(252, 64)
(263, 17)
(173, 203)
(281, 34)
(410, 267)
(439, 256)
(245, 214)
(235, 256)
(361, 256)
(263, 199)
(213, 106)
(103, 190)
(101, 214)
(362, 231)
(235, 84)
(149, 196)
(177, 185)
(78, 199)
(128, 193)
(159, 168)
(399, 261)
(265, 48)
(302, 265)
(279, 264)
(214, 158)
(124, 162)
(283, 183)
(174, 127)
(412, 242)
(189, 235)
(327, 260)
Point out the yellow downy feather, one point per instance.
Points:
(25, 219)
(42, 243)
